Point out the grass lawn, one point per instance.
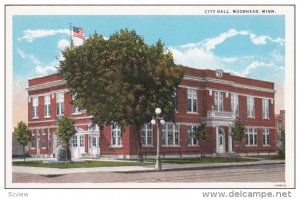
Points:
(268, 157)
(85, 164)
(203, 160)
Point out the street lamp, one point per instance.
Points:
(157, 120)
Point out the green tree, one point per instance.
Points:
(238, 133)
(122, 79)
(281, 149)
(23, 135)
(65, 130)
(200, 135)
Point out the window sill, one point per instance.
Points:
(266, 145)
(250, 145)
(265, 118)
(194, 113)
(35, 118)
(48, 116)
(171, 146)
(194, 146)
(116, 147)
(77, 113)
(148, 146)
(253, 117)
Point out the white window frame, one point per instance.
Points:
(81, 141)
(250, 106)
(44, 139)
(266, 137)
(251, 134)
(47, 106)
(35, 108)
(192, 141)
(49, 139)
(75, 108)
(219, 101)
(192, 95)
(174, 131)
(265, 108)
(75, 141)
(115, 133)
(234, 99)
(60, 109)
(33, 139)
(146, 133)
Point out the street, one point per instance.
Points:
(258, 173)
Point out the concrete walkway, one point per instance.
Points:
(146, 168)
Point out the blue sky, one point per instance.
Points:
(251, 46)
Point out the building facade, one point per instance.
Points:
(280, 125)
(213, 97)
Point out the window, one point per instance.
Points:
(265, 108)
(146, 135)
(251, 136)
(218, 101)
(32, 139)
(116, 138)
(192, 141)
(170, 134)
(234, 103)
(75, 143)
(44, 138)
(35, 104)
(60, 104)
(81, 141)
(94, 141)
(250, 106)
(266, 136)
(175, 100)
(75, 108)
(47, 109)
(192, 101)
(49, 139)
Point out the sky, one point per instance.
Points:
(249, 46)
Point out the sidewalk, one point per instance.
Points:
(146, 168)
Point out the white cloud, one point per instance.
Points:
(44, 70)
(30, 35)
(32, 58)
(63, 43)
(259, 64)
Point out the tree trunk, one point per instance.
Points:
(201, 149)
(238, 148)
(139, 143)
(24, 152)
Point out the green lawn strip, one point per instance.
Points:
(203, 160)
(85, 164)
(268, 157)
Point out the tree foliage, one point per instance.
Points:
(23, 135)
(238, 133)
(65, 130)
(122, 79)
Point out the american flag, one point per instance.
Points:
(78, 32)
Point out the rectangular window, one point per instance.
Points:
(75, 142)
(44, 141)
(35, 104)
(192, 101)
(81, 141)
(32, 139)
(266, 136)
(60, 110)
(170, 134)
(251, 136)
(218, 101)
(47, 109)
(49, 139)
(94, 141)
(75, 108)
(265, 108)
(250, 107)
(116, 138)
(146, 135)
(234, 103)
(192, 141)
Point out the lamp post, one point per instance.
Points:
(157, 120)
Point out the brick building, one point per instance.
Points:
(214, 97)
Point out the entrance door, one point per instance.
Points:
(93, 145)
(221, 143)
(77, 146)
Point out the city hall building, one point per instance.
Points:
(214, 97)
